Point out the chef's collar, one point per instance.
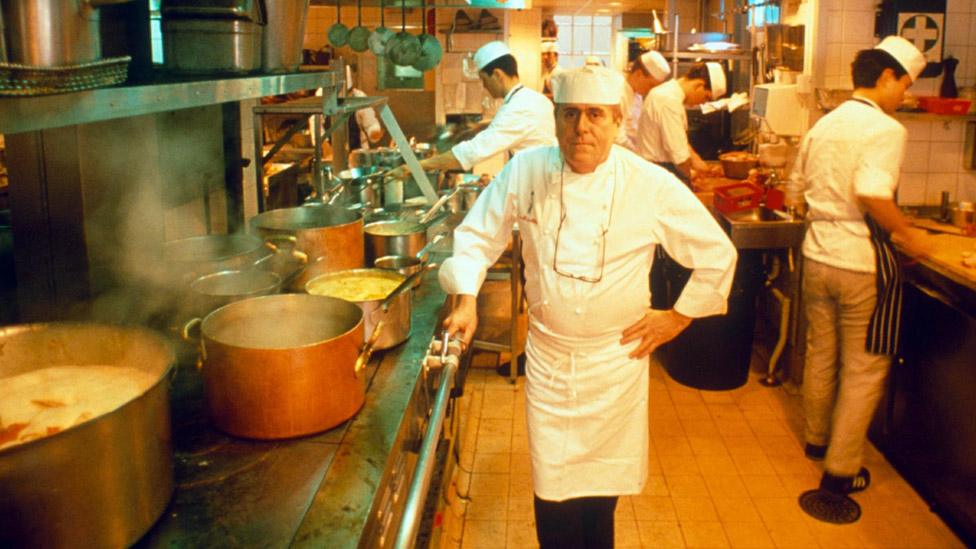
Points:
(515, 89)
(556, 164)
(866, 101)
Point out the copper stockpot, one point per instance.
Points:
(282, 366)
(331, 233)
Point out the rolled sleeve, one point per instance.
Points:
(879, 166)
(505, 132)
(674, 133)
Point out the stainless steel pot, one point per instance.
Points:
(283, 35)
(212, 46)
(397, 237)
(214, 290)
(330, 232)
(51, 33)
(104, 482)
(190, 258)
(282, 366)
(362, 185)
(407, 265)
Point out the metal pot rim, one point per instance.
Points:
(419, 228)
(172, 248)
(279, 219)
(271, 277)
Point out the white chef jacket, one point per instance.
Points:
(366, 118)
(855, 150)
(547, 77)
(663, 125)
(586, 400)
(632, 105)
(524, 120)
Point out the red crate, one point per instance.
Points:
(944, 105)
(737, 196)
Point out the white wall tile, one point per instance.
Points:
(911, 188)
(926, 86)
(957, 6)
(916, 158)
(858, 27)
(848, 52)
(835, 27)
(832, 4)
(833, 65)
(966, 183)
(948, 130)
(957, 29)
(972, 24)
(938, 182)
(945, 156)
(918, 130)
(859, 5)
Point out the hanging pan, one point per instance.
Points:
(404, 48)
(381, 35)
(359, 36)
(338, 33)
(430, 48)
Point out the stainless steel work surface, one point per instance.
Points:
(315, 490)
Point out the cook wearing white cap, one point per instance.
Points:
(662, 130)
(847, 172)
(646, 72)
(591, 215)
(524, 120)
(550, 65)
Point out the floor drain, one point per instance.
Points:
(830, 507)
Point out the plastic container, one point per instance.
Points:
(737, 196)
(944, 105)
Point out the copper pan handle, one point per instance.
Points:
(367, 351)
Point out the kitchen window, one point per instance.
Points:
(582, 35)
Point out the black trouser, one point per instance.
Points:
(579, 523)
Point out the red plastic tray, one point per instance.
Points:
(944, 105)
(737, 196)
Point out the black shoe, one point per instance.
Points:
(505, 369)
(815, 451)
(846, 485)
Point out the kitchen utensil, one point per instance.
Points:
(188, 258)
(207, 38)
(430, 48)
(737, 164)
(397, 237)
(944, 105)
(407, 265)
(332, 232)
(105, 481)
(284, 34)
(338, 33)
(404, 48)
(962, 215)
(359, 35)
(395, 317)
(213, 291)
(737, 196)
(444, 198)
(282, 366)
(380, 35)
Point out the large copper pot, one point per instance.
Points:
(103, 482)
(282, 366)
(331, 237)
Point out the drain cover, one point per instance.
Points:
(830, 507)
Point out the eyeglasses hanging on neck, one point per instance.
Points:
(604, 229)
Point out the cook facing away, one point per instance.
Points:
(591, 215)
(524, 120)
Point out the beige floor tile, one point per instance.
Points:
(725, 486)
(520, 444)
(494, 444)
(686, 485)
(499, 403)
(625, 509)
(717, 397)
(700, 427)
(656, 485)
(489, 484)
(878, 534)
(778, 509)
(492, 463)
(521, 535)
(925, 532)
(764, 486)
(625, 534)
(695, 509)
(703, 534)
(747, 534)
(742, 445)
(733, 427)
(483, 534)
(726, 411)
(753, 464)
(654, 508)
(791, 535)
(834, 535)
(521, 464)
(779, 445)
(520, 485)
(795, 465)
(666, 426)
(520, 507)
(664, 534)
(483, 507)
(717, 465)
(794, 485)
(707, 446)
(767, 426)
(735, 509)
(760, 412)
(672, 446)
(695, 410)
(679, 465)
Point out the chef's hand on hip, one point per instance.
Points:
(653, 330)
(463, 320)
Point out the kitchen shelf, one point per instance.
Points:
(706, 55)
(929, 117)
(315, 105)
(23, 114)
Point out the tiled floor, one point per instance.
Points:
(725, 471)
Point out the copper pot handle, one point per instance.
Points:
(185, 334)
(405, 285)
(367, 351)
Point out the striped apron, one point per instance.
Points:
(883, 331)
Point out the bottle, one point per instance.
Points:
(948, 88)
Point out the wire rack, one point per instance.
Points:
(25, 80)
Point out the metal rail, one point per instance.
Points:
(416, 496)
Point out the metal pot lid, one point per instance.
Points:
(305, 218)
(214, 247)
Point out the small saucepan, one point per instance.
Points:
(407, 264)
(398, 237)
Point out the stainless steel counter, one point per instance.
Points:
(313, 491)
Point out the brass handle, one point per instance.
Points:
(367, 351)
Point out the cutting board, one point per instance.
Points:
(933, 225)
(948, 254)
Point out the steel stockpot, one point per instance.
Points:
(105, 481)
(282, 366)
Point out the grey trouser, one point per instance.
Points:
(842, 382)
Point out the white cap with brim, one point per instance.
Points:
(905, 53)
(549, 46)
(716, 75)
(489, 52)
(588, 85)
(656, 64)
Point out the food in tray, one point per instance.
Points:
(363, 287)
(47, 401)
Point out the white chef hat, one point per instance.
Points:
(905, 53)
(588, 85)
(549, 46)
(656, 64)
(592, 61)
(489, 52)
(716, 75)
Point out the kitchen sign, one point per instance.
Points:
(921, 22)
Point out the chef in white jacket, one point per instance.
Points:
(524, 120)
(645, 73)
(591, 215)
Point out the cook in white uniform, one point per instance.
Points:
(847, 171)
(524, 120)
(663, 125)
(550, 65)
(645, 73)
(591, 215)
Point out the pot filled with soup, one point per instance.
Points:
(86, 454)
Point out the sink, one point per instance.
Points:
(760, 228)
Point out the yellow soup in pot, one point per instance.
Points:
(354, 287)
